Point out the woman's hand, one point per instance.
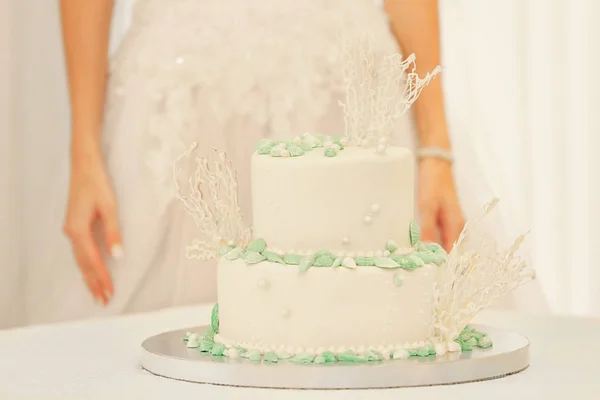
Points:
(91, 199)
(438, 203)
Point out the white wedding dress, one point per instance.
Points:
(224, 74)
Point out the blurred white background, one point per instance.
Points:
(521, 82)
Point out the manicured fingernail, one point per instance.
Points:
(117, 251)
(108, 296)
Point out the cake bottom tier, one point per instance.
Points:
(271, 306)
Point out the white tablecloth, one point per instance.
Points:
(99, 359)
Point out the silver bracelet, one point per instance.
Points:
(435, 152)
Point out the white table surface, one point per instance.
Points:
(99, 359)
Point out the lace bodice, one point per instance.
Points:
(273, 63)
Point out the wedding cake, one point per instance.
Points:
(333, 268)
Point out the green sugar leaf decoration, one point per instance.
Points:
(263, 143)
(217, 350)
(275, 152)
(214, 318)
(302, 358)
(235, 253)
(412, 352)
(339, 143)
(337, 262)
(258, 245)
(351, 357)
(272, 257)
(416, 259)
(404, 262)
(415, 233)
(391, 246)
(292, 259)
(429, 257)
(372, 355)
(329, 357)
(365, 261)
(205, 346)
(224, 250)
(423, 352)
(324, 260)
(283, 355)
(330, 152)
(271, 357)
(252, 257)
(320, 360)
(209, 334)
(437, 249)
(484, 342)
(305, 146)
(306, 263)
(295, 150)
(253, 355)
(386, 262)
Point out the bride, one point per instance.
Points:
(224, 74)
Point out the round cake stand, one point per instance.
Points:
(166, 355)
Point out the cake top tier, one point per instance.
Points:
(352, 203)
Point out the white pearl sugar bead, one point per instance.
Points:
(382, 140)
(378, 253)
(233, 353)
(368, 219)
(298, 140)
(281, 146)
(349, 262)
(285, 313)
(310, 350)
(284, 153)
(453, 346)
(328, 144)
(400, 354)
(361, 349)
(440, 349)
(336, 146)
(230, 243)
(387, 253)
(381, 149)
(375, 208)
(218, 339)
(321, 350)
(280, 253)
(180, 60)
(262, 284)
(345, 240)
(370, 254)
(344, 141)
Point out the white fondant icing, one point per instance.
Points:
(345, 240)
(368, 219)
(375, 208)
(320, 319)
(381, 149)
(287, 208)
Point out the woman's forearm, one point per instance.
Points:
(86, 29)
(416, 28)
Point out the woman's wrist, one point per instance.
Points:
(85, 149)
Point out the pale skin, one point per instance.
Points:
(86, 26)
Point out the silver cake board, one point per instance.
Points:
(166, 355)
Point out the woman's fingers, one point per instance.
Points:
(452, 224)
(92, 266)
(112, 230)
(428, 222)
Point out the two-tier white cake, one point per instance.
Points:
(369, 285)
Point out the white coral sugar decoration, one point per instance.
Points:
(475, 276)
(210, 196)
(378, 91)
